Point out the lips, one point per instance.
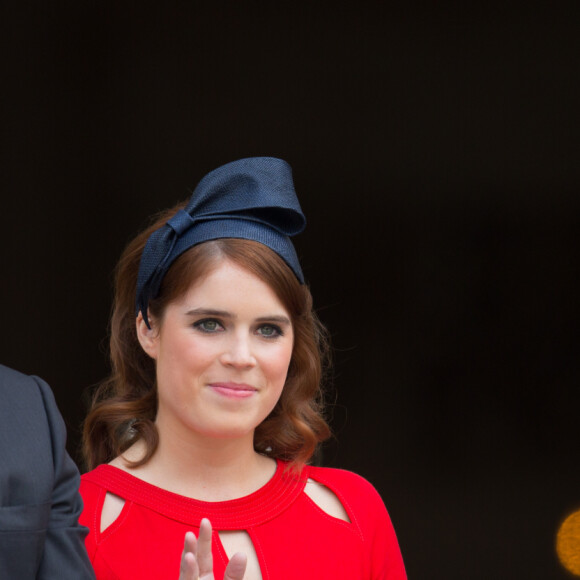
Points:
(233, 390)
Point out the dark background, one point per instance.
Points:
(435, 154)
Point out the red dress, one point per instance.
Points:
(294, 539)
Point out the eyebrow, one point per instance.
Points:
(225, 314)
(209, 312)
(278, 319)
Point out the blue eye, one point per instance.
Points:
(208, 325)
(270, 331)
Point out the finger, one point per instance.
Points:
(204, 556)
(189, 543)
(188, 569)
(236, 568)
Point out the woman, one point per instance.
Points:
(214, 406)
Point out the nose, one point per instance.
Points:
(238, 353)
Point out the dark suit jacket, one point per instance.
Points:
(39, 501)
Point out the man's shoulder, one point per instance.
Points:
(23, 398)
(19, 386)
(9, 376)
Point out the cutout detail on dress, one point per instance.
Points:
(112, 508)
(240, 541)
(326, 500)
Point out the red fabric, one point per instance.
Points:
(292, 536)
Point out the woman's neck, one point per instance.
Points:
(204, 468)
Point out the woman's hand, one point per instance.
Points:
(197, 561)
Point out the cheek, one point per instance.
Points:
(186, 351)
(278, 365)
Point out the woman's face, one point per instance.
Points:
(222, 354)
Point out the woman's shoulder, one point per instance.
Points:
(352, 489)
(108, 478)
(93, 481)
(362, 503)
(365, 507)
(96, 475)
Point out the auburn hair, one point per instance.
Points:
(124, 406)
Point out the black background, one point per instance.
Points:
(435, 154)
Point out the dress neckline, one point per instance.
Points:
(267, 502)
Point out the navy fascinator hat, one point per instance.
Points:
(251, 199)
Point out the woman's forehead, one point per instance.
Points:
(231, 283)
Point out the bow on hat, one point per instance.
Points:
(251, 199)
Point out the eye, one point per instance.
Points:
(270, 331)
(208, 325)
